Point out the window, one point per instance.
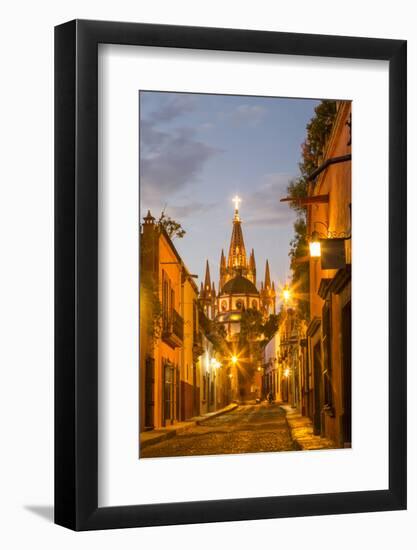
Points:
(172, 301)
(149, 391)
(165, 299)
(327, 357)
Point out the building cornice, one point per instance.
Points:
(340, 280)
(323, 290)
(313, 326)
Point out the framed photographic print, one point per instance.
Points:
(230, 275)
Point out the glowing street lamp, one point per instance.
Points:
(215, 364)
(286, 373)
(315, 248)
(286, 294)
(234, 359)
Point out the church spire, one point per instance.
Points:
(222, 261)
(252, 267)
(252, 264)
(237, 253)
(207, 281)
(267, 276)
(223, 271)
(208, 294)
(268, 293)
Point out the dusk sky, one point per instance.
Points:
(197, 151)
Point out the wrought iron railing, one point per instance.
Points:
(177, 325)
(172, 324)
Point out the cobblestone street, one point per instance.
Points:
(247, 429)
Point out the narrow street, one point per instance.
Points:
(247, 429)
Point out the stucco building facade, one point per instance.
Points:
(328, 378)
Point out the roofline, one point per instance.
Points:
(180, 260)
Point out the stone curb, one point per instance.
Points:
(192, 423)
(296, 444)
(301, 433)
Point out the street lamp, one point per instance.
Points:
(234, 359)
(215, 364)
(314, 245)
(286, 294)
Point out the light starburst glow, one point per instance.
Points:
(237, 200)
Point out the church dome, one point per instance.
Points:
(240, 285)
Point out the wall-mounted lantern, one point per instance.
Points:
(330, 248)
(315, 246)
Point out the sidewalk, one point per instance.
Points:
(152, 437)
(301, 430)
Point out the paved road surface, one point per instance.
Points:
(247, 429)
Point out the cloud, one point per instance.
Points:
(150, 137)
(247, 114)
(263, 207)
(171, 160)
(174, 106)
(207, 126)
(191, 209)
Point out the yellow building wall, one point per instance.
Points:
(332, 220)
(188, 304)
(334, 217)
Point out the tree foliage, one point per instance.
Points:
(253, 327)
(270, 327)
(250, 325)
(213, 330)
(255, 333)
(173, 228)
(318, 131)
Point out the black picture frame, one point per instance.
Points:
(76, 272)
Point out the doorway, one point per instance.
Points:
(169, 395)
(149, 392)
(196, 393)
(347, 373)
(318, 391)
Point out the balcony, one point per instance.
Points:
(198, 348)
(173, 329)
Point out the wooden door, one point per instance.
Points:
(347, 373)
(318, 391)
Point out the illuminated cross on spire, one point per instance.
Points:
(236, 200)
